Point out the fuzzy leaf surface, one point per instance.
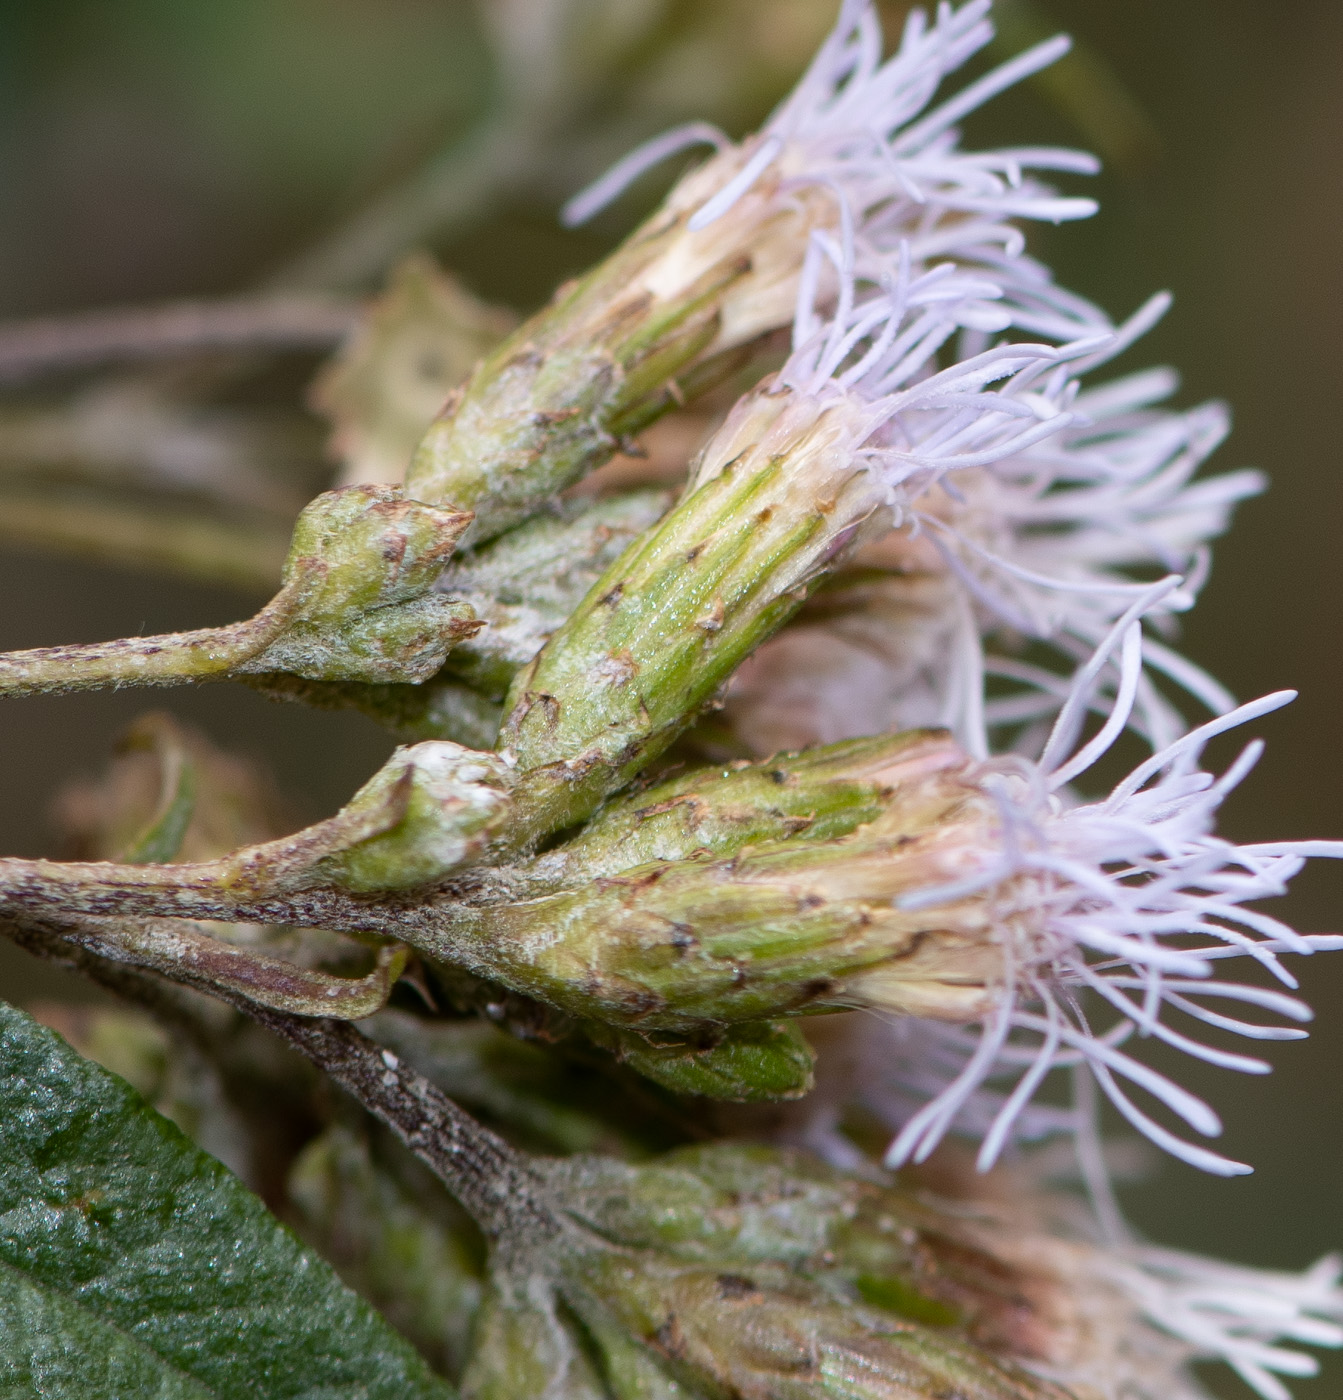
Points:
(132, 1264)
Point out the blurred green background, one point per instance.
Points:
(161, 148)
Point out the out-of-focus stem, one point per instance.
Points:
(86, 340)
(458, 185)
(189, 544)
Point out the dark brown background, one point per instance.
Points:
(160, 147)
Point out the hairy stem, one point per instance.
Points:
(494, 1182)
(175, 658)
(255, 884)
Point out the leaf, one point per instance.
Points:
(161, 839)
(50, 1346)
(755, 1061)
(133, 1264)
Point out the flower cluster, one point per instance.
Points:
(795, 795)
(1026, 505)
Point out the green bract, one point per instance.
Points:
(671, 619)
(557, 397)
(366, 559)
(729, 897)
(729, 1271)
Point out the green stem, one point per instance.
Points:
(176, 658)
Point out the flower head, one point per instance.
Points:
(1045, 544)
(852, 154)
(1124, 907)
(1039, 540)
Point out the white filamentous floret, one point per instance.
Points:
(1044, 544)
(1123, 908)
(855, 154)
(1033, 534)
(898, 255)
(1225, 1312)
(850, 123)
(862, 393)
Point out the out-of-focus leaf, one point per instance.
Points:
(131, 1264)
(415, 345)
(394, 1234)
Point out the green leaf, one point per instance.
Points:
(50, 1345)
(754, 1062)
(161, 840)
(132, 1264)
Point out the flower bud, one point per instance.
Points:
(357, 604)
(814, 795)
(433, 806)
(779, 928)
(559, 395)
(675, 615)
(1042, 544)
(520, 587)
(742, 1271)
(364, 560)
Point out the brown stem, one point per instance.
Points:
(184, 954)
(493, 1181)
(274, 875)
(275, 883)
